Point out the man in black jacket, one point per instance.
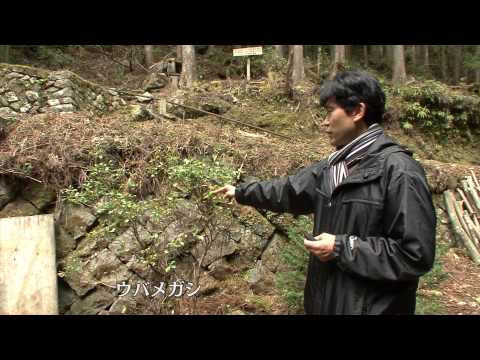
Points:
(374, 223)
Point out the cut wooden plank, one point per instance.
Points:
(458, 208)
(475, 178)
(466, 202)
(471, 227)
(28, 276)
(475, 220)
(460, 234)
(471, 192)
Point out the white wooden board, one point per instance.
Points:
(28, 276)
(248, 51)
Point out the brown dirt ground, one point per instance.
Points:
(459, 293)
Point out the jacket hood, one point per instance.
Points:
(383, 142)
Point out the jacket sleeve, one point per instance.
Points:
(408, 251)
(290, 194)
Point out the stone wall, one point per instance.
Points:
(91, 266)
(27, 90)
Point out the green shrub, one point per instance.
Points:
(291, 283)
(199, 176)
(434, 108)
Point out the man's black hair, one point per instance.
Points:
(351, 87)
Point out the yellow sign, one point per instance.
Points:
(248, 51)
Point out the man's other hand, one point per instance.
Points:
(323, 247)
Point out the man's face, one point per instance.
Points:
(340, 126)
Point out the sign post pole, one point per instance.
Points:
(248, 52)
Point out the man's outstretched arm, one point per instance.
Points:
(290, 194)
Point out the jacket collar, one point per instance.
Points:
(371, 166)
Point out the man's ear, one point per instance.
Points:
(359, 112)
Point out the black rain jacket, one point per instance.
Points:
(383, 209)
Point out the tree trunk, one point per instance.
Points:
(188, 66)
(399, 72)
(280, 49)
(348, 51)
(443, 62)
(338, 60)
(319, 59)
(179, 53)
(477, 70)
(4, 53)
(389, 52)
(380, 50)
(148, 55)
(414, 57)
(465, 70)
(131, 59)
(426, 59)
(296, 71)
(365, 55)
(376, 51)
(457, 63)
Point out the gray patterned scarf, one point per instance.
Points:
(340, 161)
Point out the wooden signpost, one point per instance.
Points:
(28, 275)
(248, 52)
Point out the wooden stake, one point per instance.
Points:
(248, 68)
(162, 106)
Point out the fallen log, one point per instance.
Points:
(212, 114)
(443, 176)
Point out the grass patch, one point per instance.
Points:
(260, 302)
(291, 283)
(427, 306)
(431, 281)
(434, 277)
